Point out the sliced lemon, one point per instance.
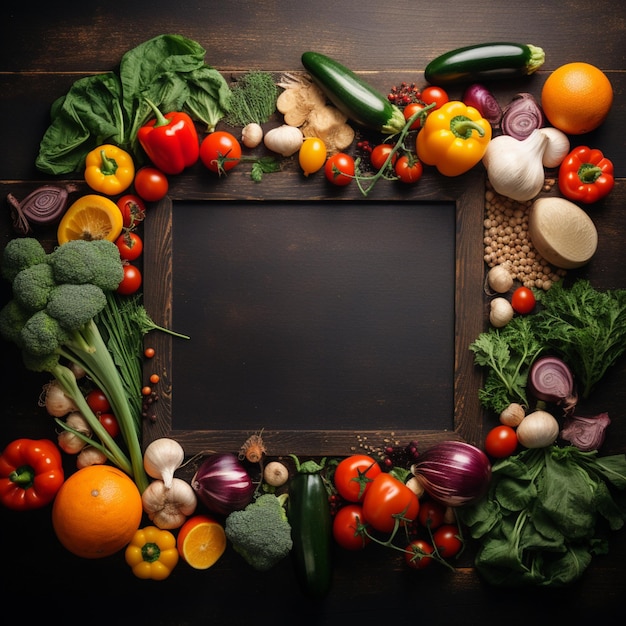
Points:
(91, 217)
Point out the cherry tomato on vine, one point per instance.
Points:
(380, 153)
(431, 513)
(447, 540)
(130, 246)
(354, 475)
(417, 554)
(501, 441)
(410, 110)
(435, 95)
(386, 499)
(339, 169)
(220, 151)
(345, 525)
(409, 169)
(131, 281)
(133, 210)
(523, 300)
(109, 421)
(312, 155)
(97, 401)
(151, 184)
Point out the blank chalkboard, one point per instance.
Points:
(321, 322)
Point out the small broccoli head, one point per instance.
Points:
(12, 319)
(109, 272)
(32, 286)
(42, 334)
(261, 533)
(20, 253)
(73, 306)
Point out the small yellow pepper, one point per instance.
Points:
(454, 138)
(109, 170)
(152, 553)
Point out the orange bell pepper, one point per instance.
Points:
(454, 138)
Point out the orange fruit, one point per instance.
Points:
(201, 541)
(576, 98)
(97, 511)
(91, 217)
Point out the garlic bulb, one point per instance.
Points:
(501, 312)
(499, 278)
(162, 458)
(69, 441)
(252, 135)
(513, 415)
(285, 140)
(557, 148)
(538, 430)
(169, 507)
(514, 167)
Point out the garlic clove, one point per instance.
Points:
(501, 312)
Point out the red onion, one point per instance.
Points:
(586, 433)
(222, 484)
(479, 97)
(551, 380)
(453, 472)
(521, 116)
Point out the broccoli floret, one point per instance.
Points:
(261, 533)
(42, 334)
(12, 320)
(32, 286)
(73, 306)
(20, 253)
(109, 271)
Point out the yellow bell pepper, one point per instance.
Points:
(454, 138)
(152, 553)
(109, 170)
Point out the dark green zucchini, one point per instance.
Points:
(308, 512)
(483, 62)
(356, 99)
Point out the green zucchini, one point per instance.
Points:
(484, 61)
(308, 512)
(356, 99)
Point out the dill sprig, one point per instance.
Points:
(253, 99)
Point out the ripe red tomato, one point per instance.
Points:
(345, 525)
(417, 554)
(354, 475)
(447, 540)
(339, 169)
(130, 246)
(523, 300)
(410, 110)
(501, 441)
(133, 210)
(97, 401)
(431, 513)
(220, 151)
(109, 421)
(408, 169)
(131, 281)
(151, 184)
(379, 155)
(434, 94)
(386, 499)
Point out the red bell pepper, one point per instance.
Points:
(170, 141)
(586, 175)
(31, 473)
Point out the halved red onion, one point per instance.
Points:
(551, 380)
(522, 116)
(479, 97)
(586, 433)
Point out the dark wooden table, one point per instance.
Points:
(45, 50)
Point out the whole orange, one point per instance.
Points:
(97, 511)
(576, 98)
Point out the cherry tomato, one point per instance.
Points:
(417, 554)
(133, 210)
(109, 421)
(501, 441)
(434, 94)
(345, 525)
(130, 246)
(408, 169)
(312, 155)
(380, 153)
(98, 402)
(447, 540)
(410, 110)
(220, 151)
(431, 513)
(523, 300)
(339, 169)
(151, 184)
(131, 281)
(386, 499)
(354, 475)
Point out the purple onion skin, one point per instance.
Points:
(479, 97)
(522, 116)
(222, 484)
(551, 380)
(454, 473)
(586, 433)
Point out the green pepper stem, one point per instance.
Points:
(462, 126)
(161, 120)
(108, 166)
(23, 476)
(589, 173)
